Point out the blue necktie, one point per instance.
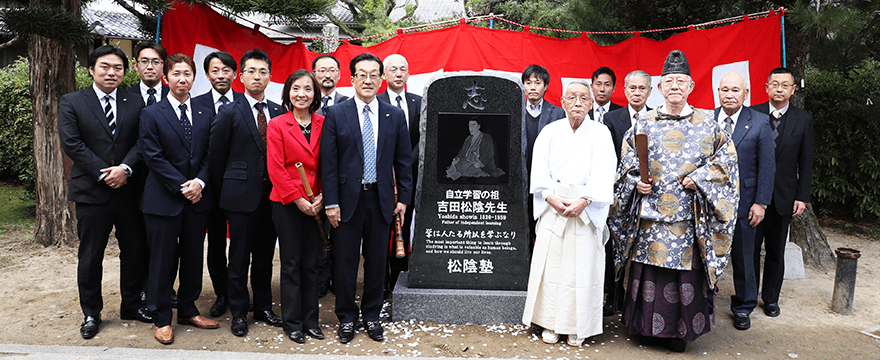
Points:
(152, 98)
(184, 121)
(369, 148)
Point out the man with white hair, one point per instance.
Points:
(756, 154)
(571, 180)
(677, 225)
(396, 75)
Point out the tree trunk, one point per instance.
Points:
(805, 230)
(51, 75)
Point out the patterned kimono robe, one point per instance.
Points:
(676, 228)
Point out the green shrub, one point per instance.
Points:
(16, 135)
(846, 171)
(16, 120)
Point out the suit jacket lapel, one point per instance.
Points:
(354, 125)
(383, 119)
(295, 131)
(202, 115)
(248, 116)
(743, 125)
(92, 101)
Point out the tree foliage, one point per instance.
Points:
(846, 168)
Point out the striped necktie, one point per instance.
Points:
(108, 112)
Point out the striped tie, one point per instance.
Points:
(369, 148)
(108, 112)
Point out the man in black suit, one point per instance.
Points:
(220, 68)
(750, 132)
(363, 142)
(149, 58)
(98, 129)
(538, 114)
(793, 132)
(174, 141)
(237, 162)
(603, 85)
(396, 74)
(637, 88)
(326, 69)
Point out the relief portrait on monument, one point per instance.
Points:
(472, 148)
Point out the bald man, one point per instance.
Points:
(753, 138)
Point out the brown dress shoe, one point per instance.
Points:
(200, 322)
(165, 335)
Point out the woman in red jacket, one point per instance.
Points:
(292, 138)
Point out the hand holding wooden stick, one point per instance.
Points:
(311, 197)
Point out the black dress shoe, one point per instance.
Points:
(741, 321)
(219, 307)
(268, 317)
(322, 289)
(173, 299)
(142, 314)
(315, 333)
(771, 309)
(375, 330)
(89, 327)
(239, 327)
(297, 336)
(346, 332)
(608, 310)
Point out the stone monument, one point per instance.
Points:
(470, 258)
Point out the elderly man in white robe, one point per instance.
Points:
(572, 181)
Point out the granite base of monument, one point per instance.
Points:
(794, 262)
(456, 306)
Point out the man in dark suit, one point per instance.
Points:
(793, 132)
(538, 114)
(396, 75)
(757, 164)
(220, 68)
(326, 69)
(98, 129)
(603, 85)
(637, 88)
(364, 141)
(149, 58)
(237, 162)
(174, 140)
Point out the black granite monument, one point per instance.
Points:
(471, 228)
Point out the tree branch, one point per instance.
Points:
(10, 42)
(343, 28)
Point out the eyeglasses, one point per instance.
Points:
(784, 86)
(330, 71)
(681, 82)
(147, 62)
(251, 72)
(363, 76)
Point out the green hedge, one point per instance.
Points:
(846, 171)
(16, 120)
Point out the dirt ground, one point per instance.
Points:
(40, 306)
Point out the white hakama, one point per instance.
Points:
(567, 271)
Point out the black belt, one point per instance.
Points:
(368, 186)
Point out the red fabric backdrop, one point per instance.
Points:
(752, 46)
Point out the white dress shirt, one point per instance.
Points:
(143, 88)
(253, 102)
(392, 97)
(374, 118)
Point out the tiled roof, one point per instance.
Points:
(114, 24)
